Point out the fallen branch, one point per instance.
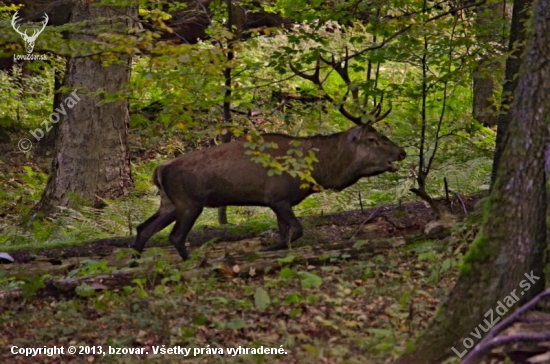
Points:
(68, 286)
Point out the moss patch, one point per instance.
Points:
(480, 251)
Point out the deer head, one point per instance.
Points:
(29, 39)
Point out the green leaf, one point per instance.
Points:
(427, 256)
(159, 291)
(380, 333)
(200, 319)
(359, 244)
(261, 299)
(142, 293)
(236, 324)
(84, 290)
(310, 280)
(28, 170)
(286, 272)
(286, 260)
(294, 298)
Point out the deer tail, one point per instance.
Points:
(157, 177)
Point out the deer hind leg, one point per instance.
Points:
(165, 215)
(185, 220)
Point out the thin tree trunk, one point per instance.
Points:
(91, 158)
(489, 23)
(516, 46)
(235, 17)
(47, 143)
(512, 241)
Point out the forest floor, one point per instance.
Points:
(356, 288)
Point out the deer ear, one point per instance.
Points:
(355, 134)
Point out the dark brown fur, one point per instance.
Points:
(225, 175)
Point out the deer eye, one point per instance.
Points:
(372, 140)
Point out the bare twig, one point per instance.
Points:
(460, 199)
(489, 342)
(364, 222)
(503, 340)
(399, 32)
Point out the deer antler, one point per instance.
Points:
(313, 77)
(342, 69)
(374, 114)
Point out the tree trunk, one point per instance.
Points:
(91, 157)
(4, 136)
(60, 15)
(484, 109)
(47, 143)
(516, 46)
(236, 17)
(512, 240)
(489, 70)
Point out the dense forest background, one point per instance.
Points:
(122, 86)
(192, 81)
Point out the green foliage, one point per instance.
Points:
(286, 260)
(26, 101)
(176, 93)
(310, 280)
(351, 306)
(85, 290)
(30, 285)
(90, 267)
(73, 226)
(235, 324)
(261, 299)
(294, 162)
(440, 257)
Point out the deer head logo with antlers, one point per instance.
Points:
(29, 39)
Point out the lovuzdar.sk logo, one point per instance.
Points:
(29, 39)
